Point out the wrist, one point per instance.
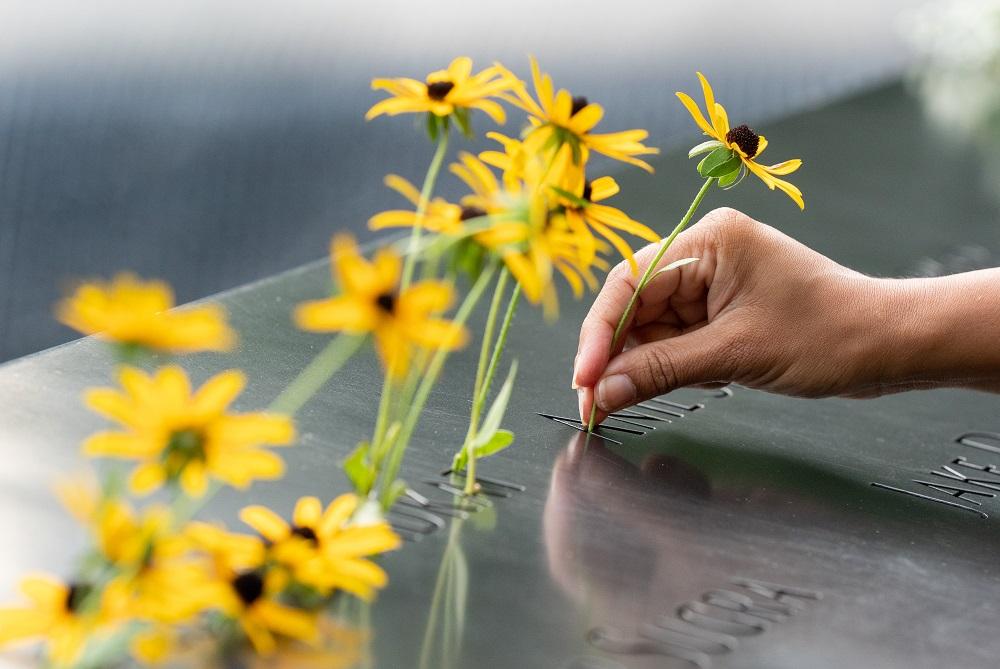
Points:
(941, 331)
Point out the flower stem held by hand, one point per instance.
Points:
(647, 276)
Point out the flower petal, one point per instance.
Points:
(267, 523)
(308, 511)
(344, 313)
(696, 114)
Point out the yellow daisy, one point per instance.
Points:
(370, 303)
(743, 140)
(244, 588)
(440, 216)
(584, 212)
(339, 548)
(54, 614)
(134, 312)
(184, 437)
(444, 92)
(158, 579)
(560, 118)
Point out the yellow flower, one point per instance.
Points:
(133, 312)
(533, 242)
(741, 139)
(441, 216)
(338, 548)
(371, 303)
(158, 580)
(559, 118)
(243, 588)
(184, 437)
(444, 92)
(584, 212)
(55, 614)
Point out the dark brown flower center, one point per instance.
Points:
(587, 191)
(745, 138)
(439, 89)
(249, 586)
(75, 594)
(386, 302)
(579, 102)
(306, 533)
(472, 212)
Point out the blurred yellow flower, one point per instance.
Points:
(558, 118)
(444, 92)
(584, 212)
(184, 437)
(134, 312)
(336, 549)
(56, 614)
(158, 579)
(371, 303)
(743, 140)
(245, 589)
(440, 216)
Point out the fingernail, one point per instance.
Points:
(575, 384)
(580, 394)
(615, 392)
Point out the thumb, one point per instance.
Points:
(652, 369)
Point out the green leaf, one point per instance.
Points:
(500, 440)
(719, 163)
(495, 415)
(732, 180)
(461, 116)
(704, 147)
(575, 199)
(359, 471)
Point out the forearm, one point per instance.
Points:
(942, 332)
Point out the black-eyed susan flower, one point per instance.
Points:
(584, 212)
(370, 302)
(444, 92)
(57, 613)
(133, 312)
(439, 216)
(183, 437)
(339, 548)
(158, 581)
(557, 118)
(244, 588)
(742, 140)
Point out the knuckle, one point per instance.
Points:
(661, 370)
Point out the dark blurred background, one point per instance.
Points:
(215, 142)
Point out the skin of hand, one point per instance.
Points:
(764, 311)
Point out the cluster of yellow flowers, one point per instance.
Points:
(532, 212)
(155, 576)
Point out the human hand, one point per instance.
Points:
(757, 308)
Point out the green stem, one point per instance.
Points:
(484, 354)
(498, 349)
(425, 197)
(316, 374)
(650, 269)
(480, 401)
(430, 378)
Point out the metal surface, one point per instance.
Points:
(743, 533)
